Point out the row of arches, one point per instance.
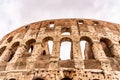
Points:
(65, 47)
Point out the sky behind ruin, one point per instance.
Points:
(15, 13)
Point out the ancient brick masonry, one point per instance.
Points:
(24, 53)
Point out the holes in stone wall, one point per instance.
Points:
(86, 48)
(30, 45)
(80, 22)
(95, 23)
(65, 49)
(51, 25)
(30, 49)
(9, 39)
(65, 31)
(106, 43)
(2, 50)
(44, 53)
(13, 50)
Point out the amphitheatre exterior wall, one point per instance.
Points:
(24, 53)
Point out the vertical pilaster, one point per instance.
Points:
(4, 57)
(77, 56)
(18, 54)
(100, 55)
(98, 51)
(55, 55)
(35, 54)
(115, 49)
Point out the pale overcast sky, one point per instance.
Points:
(15, 13)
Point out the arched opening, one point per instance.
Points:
(66, 78)
(86, 48)
(48, 45)
(82, 45)
(80, 22)
(30, 49)
(65, 31)
(12, 79)
(13, 50)
(30, 45)
(44, 53)
(2, 50)
(9, 39)
(106, 45)
(65, 49)
(38, 79)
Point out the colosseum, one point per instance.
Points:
(25, 55)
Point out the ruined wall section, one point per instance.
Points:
(24, 53)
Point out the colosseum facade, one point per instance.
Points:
(24, 53)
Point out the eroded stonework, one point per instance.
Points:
(24, 53)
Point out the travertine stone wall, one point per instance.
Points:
(25, 55)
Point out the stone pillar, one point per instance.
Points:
(34, 55)
(115, 49)
(55, 56)
(98, 51)
(18, 54)
(76, 50)
(4, 57)
(77, 56)
(100, 55)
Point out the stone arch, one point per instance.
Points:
(12, 79)
(9, 39)
(13, 50)
(66, 78)
(30, 45)
(106, 45)
(68, 43)
(37, 78)
(88, 52)
(47, 47)
(2, 50)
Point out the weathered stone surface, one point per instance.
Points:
(25, 54)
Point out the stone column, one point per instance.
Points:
(18, 54)
(55, 56)
(77, 56)
(5, 55)
(98, 51)
(100, 55)
(115, 49)
(34, 55)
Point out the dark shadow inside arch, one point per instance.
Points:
(38, 79)
(66, 78)
(30, 45)
(87, 52)
(106, 45)
(13, 50)
(12, 79)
